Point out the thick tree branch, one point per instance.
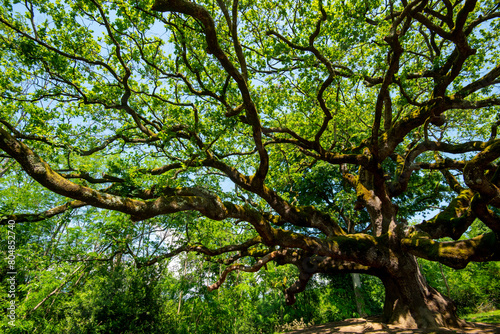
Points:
(486, 80)
(455, 254)
(452, 221)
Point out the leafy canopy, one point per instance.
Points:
(254, 131)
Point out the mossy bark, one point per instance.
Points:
(411, 302)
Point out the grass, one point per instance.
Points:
(488, 317)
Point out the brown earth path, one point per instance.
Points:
(373, 325)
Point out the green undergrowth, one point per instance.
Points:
(488, 317)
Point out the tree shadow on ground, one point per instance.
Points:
(374, 325)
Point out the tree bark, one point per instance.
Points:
(360, 302)
(411, 302)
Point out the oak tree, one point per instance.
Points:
(305, 132)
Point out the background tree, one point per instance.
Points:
(208, 118)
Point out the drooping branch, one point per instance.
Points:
(310, 265)
(170, 200)
(242, 248)
(297, 287)
(307, 266)
(36, 217)
(253, 268)
(313, 263)
(455, 254)
(175, 201)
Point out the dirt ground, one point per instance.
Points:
(373, 325)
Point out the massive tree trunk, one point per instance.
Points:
(411, 302)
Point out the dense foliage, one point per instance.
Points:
(255, 141)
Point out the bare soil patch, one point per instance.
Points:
(374, 325)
